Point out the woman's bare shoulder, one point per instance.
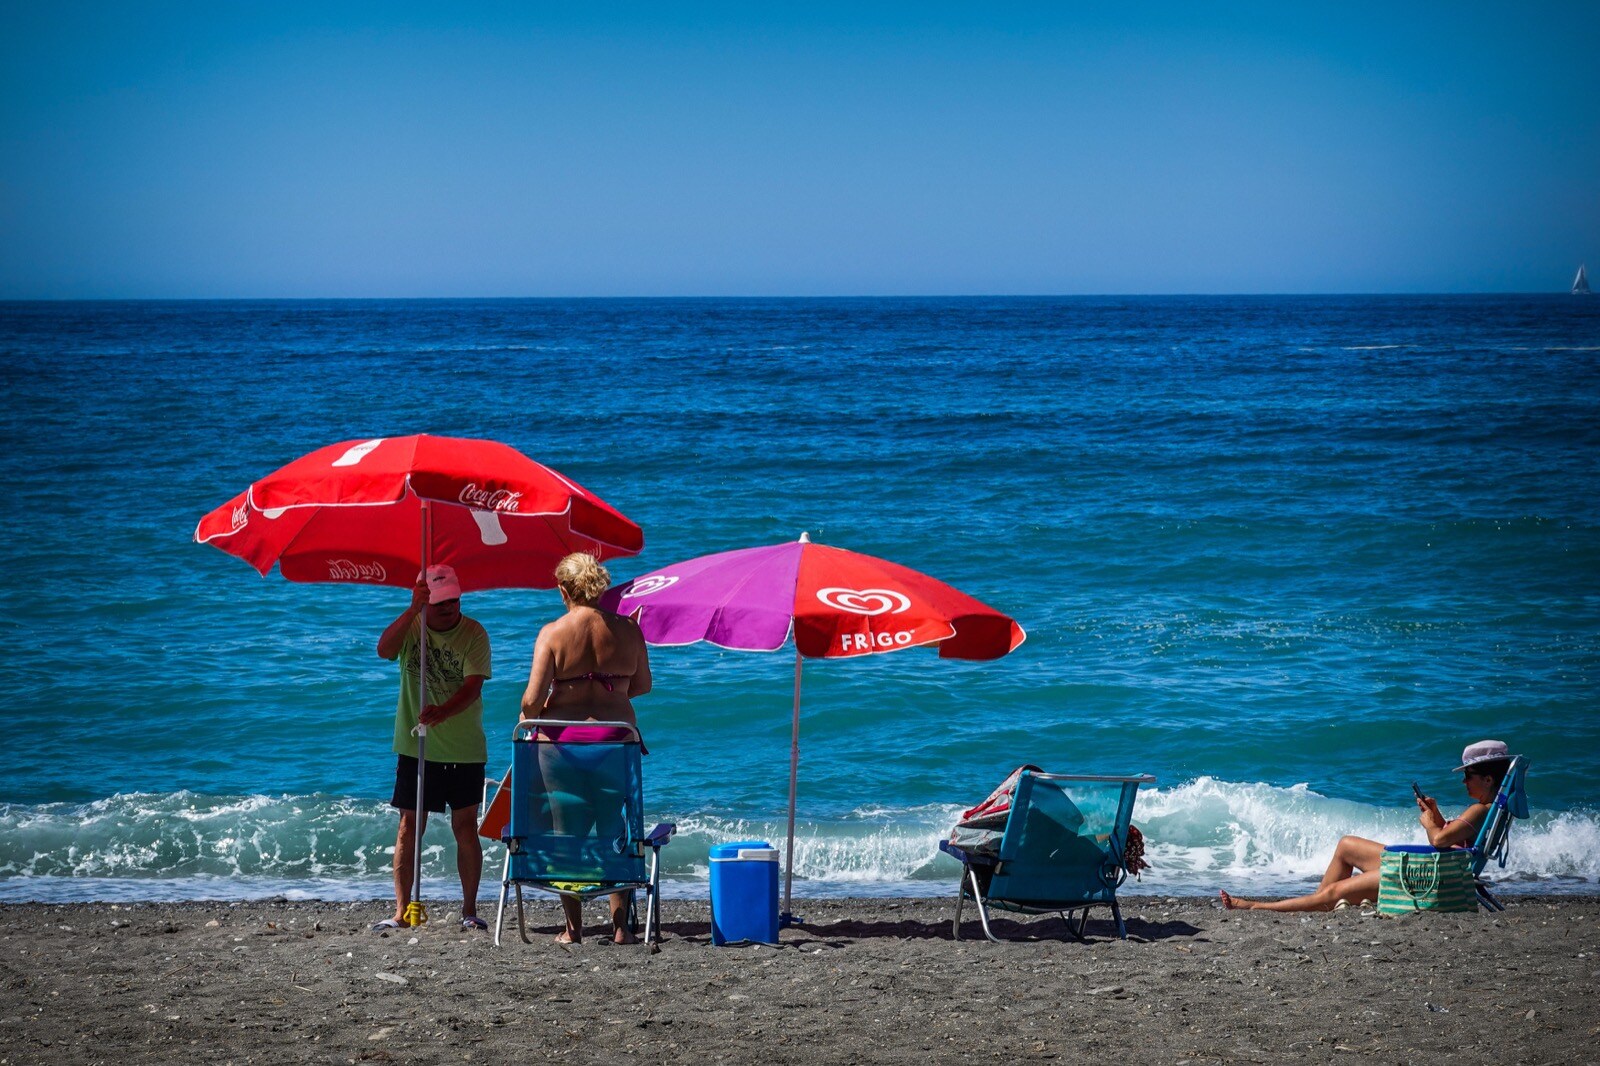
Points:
(621, 623)
(1475, 813)
(556, 628)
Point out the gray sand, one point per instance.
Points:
(863, 981)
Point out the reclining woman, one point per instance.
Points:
(587, 666)
(1352, 875)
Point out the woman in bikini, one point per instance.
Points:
(1352, 875)
(587, 666)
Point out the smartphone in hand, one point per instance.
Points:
(1418, 792)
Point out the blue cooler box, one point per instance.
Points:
(744, 893)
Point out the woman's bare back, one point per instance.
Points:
(596, 661)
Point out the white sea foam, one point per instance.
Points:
(877, 846)
(1200, 835)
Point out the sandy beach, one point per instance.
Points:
(862, 981)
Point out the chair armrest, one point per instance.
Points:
(1124, 779)
(661, 834)
(491, 788)
(962, 855)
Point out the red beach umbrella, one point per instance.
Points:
(355, 513)
(376, 512)
(836, 603)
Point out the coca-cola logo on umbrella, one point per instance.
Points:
(489, 499)
(358, 452)
(647, 585)
(346, 570)
(865, 601)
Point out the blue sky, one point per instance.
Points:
(507, 149)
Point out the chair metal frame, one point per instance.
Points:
(971, 863)
(526, 732)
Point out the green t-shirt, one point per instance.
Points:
(453, 656)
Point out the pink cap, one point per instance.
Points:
(443, 584)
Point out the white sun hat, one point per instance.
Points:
(1484, 751)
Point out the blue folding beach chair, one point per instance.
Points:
(1062, 850)
(577, 819)
(1494, 836)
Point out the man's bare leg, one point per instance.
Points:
(404, 858)
(469, 857)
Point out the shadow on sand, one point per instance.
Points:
(1038, 931)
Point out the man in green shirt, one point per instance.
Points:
(458, 665)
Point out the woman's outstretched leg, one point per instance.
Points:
(1350, 856)
(1354, 858)
(1361, 887)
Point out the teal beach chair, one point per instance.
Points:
(1061, 851)
(1494, 836)
(577, 819)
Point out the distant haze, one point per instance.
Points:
(501, 149)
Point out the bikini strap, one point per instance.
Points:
(598, 678)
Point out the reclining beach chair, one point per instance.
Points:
(576, 818)
(1062, 850)
(1494, 836)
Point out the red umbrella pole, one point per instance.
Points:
(416, 913)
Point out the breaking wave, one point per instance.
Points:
(1199, 835)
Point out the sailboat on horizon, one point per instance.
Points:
(1580, 284)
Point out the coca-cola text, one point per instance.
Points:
(345, 570)
(489, 499)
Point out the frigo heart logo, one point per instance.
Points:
(647, 585)
(865, 601)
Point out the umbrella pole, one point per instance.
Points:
(416, 913)
(787, 918)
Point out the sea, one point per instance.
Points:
(1286, 554)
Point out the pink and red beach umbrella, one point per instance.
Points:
(377, 512)
(837, 604)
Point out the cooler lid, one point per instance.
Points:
(756, 850)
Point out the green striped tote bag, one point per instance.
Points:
(1416, 877)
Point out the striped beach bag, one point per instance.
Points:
(1416, 877)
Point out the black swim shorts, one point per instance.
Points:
(460, 784)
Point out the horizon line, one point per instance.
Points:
(780, 296)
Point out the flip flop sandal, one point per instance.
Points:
(473, 923)
(388, 925)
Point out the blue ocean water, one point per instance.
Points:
(1288, 554)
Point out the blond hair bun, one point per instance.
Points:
(582, 578)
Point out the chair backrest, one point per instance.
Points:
(1510, 803)
(577, 807)
(1065, 839)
